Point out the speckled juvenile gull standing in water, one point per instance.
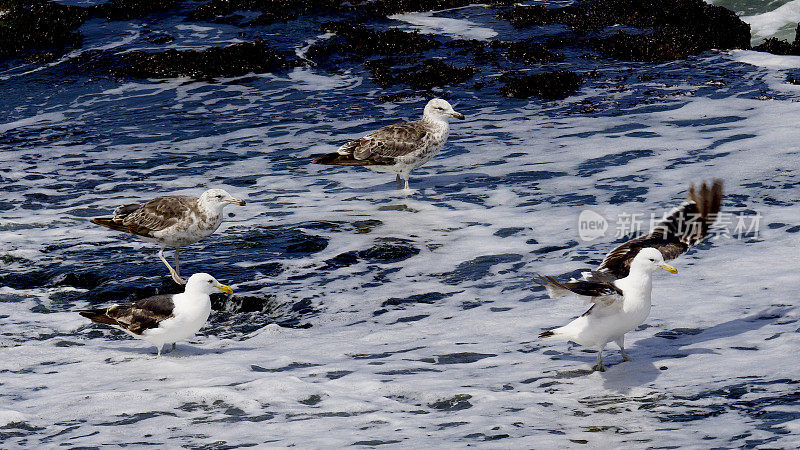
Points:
(172, 221)
(620, 288)
(401, 147)
(163, 319)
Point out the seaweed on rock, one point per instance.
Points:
(132, 9)
(425, 76)
(359, 40)
(529, 52)
(38, 25)
(233, 60)
(780, 47)
(550, 85)
(671, 29)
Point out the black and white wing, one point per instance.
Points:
(683, 228)
(597, 287)
(134, 317)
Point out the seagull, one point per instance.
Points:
(163, 319)
(620, 287)
(172, 221)
(401, 147)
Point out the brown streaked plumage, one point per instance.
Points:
(172, 221)
(398, 148)
(155, 215)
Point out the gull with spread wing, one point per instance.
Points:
(620, 287)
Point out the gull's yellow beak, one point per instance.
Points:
(668, 268)
(236, 201)
(225, 289)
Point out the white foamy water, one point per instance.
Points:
(465, 365)
(423, 316)
(784, 19)
(458, 28)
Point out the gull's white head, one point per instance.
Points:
(649, 259)
(219, 198)
(206, 284)
(441, 110)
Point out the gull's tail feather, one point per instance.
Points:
(338, 159)
(565, 333)
(554, 288)
(110, 223)
(98, 315)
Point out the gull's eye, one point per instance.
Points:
(653, 260)
(210, 282)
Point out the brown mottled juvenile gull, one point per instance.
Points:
(172, 221)
(163, 319)
(398, 148)
(620, 287)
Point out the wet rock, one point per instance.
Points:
(428, 298)
(336, 374)
(159, 38)
(272, 11)
(508, 231)
(388, 252)
(423, 77)
(224, 11)
(83, 280)
(780, 47)
(308, 244)
(678, 333)
(21, 281)
(10, 259)
(777, 47)
(550, 85)
(454, 403)
(671, 29)
(343, 260)
(289, 367)
(131, 9)
(39, 25)
(477, 268)
(389, 7)
(359, 40)
(233, 60)
(481, 52)
(366, 226)
(312, 400)
(530, 52)
(462, 358)
(42, 57)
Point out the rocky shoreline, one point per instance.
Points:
(40, 31)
